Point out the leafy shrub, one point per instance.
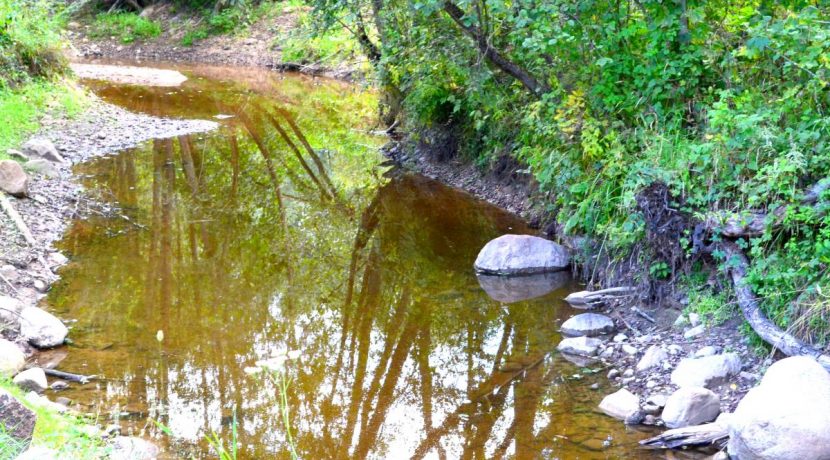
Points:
(127, 27)
(29, 41)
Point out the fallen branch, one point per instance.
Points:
(766, 329)
(710, 434)
(591, 298)
(82, 379)
(18, 221)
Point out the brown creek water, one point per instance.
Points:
(236, 245)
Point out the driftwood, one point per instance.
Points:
(589, 299)
(82, 379)
(710, 434)
(18, 221)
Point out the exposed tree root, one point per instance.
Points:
(766, 329)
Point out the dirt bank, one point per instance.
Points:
(256, 46)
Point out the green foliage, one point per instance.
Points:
(22, 107)
(29, 41)
(232, 20)
(127, 27)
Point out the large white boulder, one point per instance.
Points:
(521, 255)
(33, 379)
(620, 405)
(786, 417)
(690, 406)
(588, 324)
(41, 328)
(11, 359)
(708, 371)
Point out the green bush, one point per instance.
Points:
(30, 41)
(127, 27)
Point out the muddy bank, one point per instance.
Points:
(55, 197)
(257, 46)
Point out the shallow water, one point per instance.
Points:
(241, 244)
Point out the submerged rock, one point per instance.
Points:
(11, 359)
(521, 255)
(33, 379)
(620, 405)
(588, 324)
(16, 420)
(13, 180)
(690, 406)
(708, 372)
(509, 289)
(582, 346)
(43, 149)
(132, 448)
(786, 417)
(41, 328)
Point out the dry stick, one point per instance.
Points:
(18, 221)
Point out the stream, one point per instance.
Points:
(285, 229)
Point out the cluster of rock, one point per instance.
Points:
(787, 416)
(39, 156)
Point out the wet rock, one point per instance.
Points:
(694, 332)
(708, 372)
(706, 351)
(509, 289)
(39, 148)
(10, 309)
(43, 167)
(583, 346)
(132, 448)
(629, 349)
(33, 379)
(690, 406)
(12, 359)
(521, 254)
(653, 357)
(786, 417)
(635, 418)
(41, 328)
(56, 259)
(587, 324)
(39, 453)
(581, 361)
(40, 286)
(620, 405)
(613, 373)
(13, 179)
(17, 420)
(59, 385)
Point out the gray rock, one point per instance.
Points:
(10, 309)
(41, 328)
(708, 350)
(132, 448)
(56, 259)
(690, 406)
(658, 400)
(675, 349)
(509, 289)
(59, 385)
(613, 373)
(16, 154)
(12, 359)
(43, 167)
(786, 417)
(521, 254)
(40, 286)
(33, 379)
(628, 373)
(630, 349)
(17, 420)
(581, 361)
(589, 324)
(694, 332)
(583, 346)
(43, 149)
(620, 405)
(635, 418)
(694, 319)
(708, 372)
(607, 353)
(619, 338)
(13, 180)
(10, 273)
(653, 357)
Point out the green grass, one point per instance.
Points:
(70, 436)
(127, 27)
(23, 107)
